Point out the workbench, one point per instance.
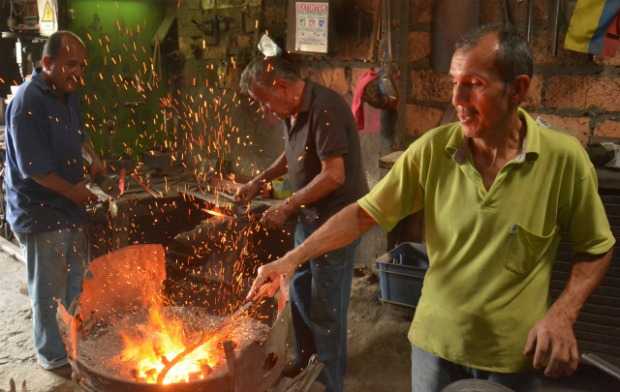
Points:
(165, 196)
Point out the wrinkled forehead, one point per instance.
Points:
(260, 93)
(71, 48)
(476, 60)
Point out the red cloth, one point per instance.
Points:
(611, 40)
(357, 106)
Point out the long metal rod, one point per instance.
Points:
(556, 26)
(530, 20)
(606, 366)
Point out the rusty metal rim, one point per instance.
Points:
(217, 375)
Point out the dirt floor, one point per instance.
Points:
(379, 354)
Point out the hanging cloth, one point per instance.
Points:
(589, 25)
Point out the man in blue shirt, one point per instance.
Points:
(45, 186)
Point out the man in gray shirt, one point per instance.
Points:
(322, 159)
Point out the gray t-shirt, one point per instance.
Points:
(324, 128)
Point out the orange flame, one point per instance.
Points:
(154, 345)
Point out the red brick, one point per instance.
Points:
(565, 92)
(608, 128)
(333, 78)
(431, 86)
(604, 93)
(581, 92)
(422, 118)
(419, 45)
(421, 11)
(534, 96)
(579, 127)
(609, 61)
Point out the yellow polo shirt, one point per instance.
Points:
(491, 251)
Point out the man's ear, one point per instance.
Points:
(46, 62)
(520, 87)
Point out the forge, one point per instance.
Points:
(124, 333)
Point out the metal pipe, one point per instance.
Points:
(556, 26)
(530, 20)
(229, 351)
(598, 362)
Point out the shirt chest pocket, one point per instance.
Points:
(524, 249)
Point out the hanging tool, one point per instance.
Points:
(530, 20)
(556, 26)
(507, 13)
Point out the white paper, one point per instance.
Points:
(311, 26)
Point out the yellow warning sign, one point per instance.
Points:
(48, 12)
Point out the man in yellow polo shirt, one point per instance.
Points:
(498, 192)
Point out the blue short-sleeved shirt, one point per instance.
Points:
(43, 135)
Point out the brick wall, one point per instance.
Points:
(571, 91)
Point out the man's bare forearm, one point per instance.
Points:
(276, 169)
(340, 230)
(585, 276)
(320, 186)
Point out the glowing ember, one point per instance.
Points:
(164, 352)
(213, 212)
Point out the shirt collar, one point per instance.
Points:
(458, 149)
(306, 98)
(39, 81)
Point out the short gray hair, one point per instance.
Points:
(514, 56)
(54, 43)
(265, 71)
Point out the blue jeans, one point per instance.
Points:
(430, 373)
(56, 261)
(319, 293)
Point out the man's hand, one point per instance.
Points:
(554, 346)
(97, 167)
(247, 191)
(272, 276)
(277, 216)
(80, 195)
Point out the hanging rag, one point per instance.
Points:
(357, 106)
(611, 42)
(589, 25)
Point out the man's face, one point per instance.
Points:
(274, 100)
(479, 95)
(66, 70)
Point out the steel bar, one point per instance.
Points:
(530, 20)
(598, 362)
(556, 26)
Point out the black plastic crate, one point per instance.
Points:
(401, 274)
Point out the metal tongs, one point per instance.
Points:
(106, 190)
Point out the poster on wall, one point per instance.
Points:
(48, 17)
(311, 26)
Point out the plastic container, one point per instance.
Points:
(401, 274)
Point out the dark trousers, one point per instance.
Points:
(430, 373)
(319, 294)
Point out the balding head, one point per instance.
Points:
(63, 62)
(513, 56)
(58, 40)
